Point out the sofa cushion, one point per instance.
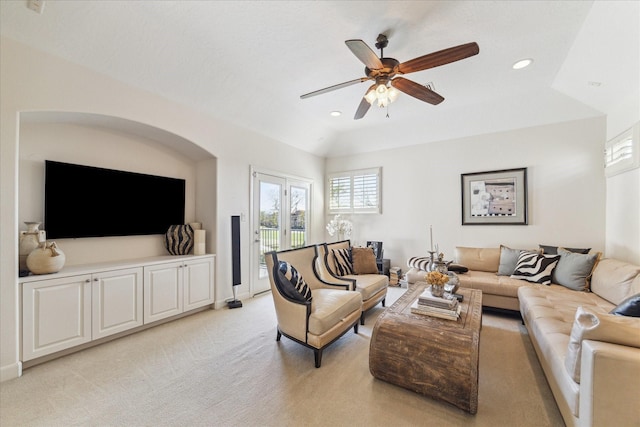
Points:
(598, 327)
(553, 250)
(574, 269)
(629, 307)
(509, 259)
(364, 261)
(299, 288)
(615, 280)
(490, 283)
(479, 259)
(342, 260)
(536, 268)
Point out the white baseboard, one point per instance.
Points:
(11, 371)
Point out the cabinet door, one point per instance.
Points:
(198, 283)
(117, 301)
(162, 291)
(56, 315)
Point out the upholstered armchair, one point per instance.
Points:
(339, 263)
(309, 310)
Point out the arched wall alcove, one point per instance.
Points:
(113, 143)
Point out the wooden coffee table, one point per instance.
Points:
(429, 355)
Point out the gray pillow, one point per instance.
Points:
(509, 260)
(574, 270)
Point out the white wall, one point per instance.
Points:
(32, 81)
(623, 191)
(421, 187)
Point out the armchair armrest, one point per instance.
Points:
(610, 384)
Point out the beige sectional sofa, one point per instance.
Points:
(591, 358)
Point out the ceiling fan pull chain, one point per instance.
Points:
(387, 111)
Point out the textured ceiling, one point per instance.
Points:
(248, 62)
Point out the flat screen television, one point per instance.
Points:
(87, 201)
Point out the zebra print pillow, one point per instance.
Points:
(291, 274)
(342, 260)
(536, 268)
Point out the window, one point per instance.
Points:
(355, 191)
(622, 153)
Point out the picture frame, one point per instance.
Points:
(494, 197)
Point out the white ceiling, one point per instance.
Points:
(248, 62)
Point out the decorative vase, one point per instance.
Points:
(179, 239)
(29, 240)
(437, 290)
(199, 247)
(46, 259)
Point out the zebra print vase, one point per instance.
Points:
(179, 239)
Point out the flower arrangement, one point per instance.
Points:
(341, 226)
(436, 278)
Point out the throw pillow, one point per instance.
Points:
(603, 327)
(574, 269)
(509, 259)
(553, 250)
(629, 307)
(457, 268)
(536, 268)
(292, 277)
(364, 261)
(342, 260)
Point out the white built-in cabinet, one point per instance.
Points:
(85, 303)
(173, 288)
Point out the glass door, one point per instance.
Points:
(280, 221)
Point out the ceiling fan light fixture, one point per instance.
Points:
(382, 95)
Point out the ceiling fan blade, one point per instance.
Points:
(364, 54)
(417, 90)
(439, 58)
(362, 109)
(334, 87)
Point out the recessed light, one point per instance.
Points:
(522, 64)
(336, 113)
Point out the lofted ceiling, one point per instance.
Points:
(248, 62)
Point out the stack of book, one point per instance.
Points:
(395, 274)
(445, 307)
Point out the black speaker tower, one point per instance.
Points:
(235, 259)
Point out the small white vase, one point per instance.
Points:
(29, 240)
(46, 259)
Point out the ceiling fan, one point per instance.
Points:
(383, 71)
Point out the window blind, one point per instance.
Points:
(354, 191)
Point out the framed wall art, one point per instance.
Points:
(494, 197)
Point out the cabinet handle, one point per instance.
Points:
(87, 281)
(96, 279)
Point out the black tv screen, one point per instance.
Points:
(86, 201)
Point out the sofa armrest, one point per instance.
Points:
(610, 384)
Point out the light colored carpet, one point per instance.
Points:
(224, 368)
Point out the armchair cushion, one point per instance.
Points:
(342, 260)
(293, 284)
(331, 307)
(364, 261)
